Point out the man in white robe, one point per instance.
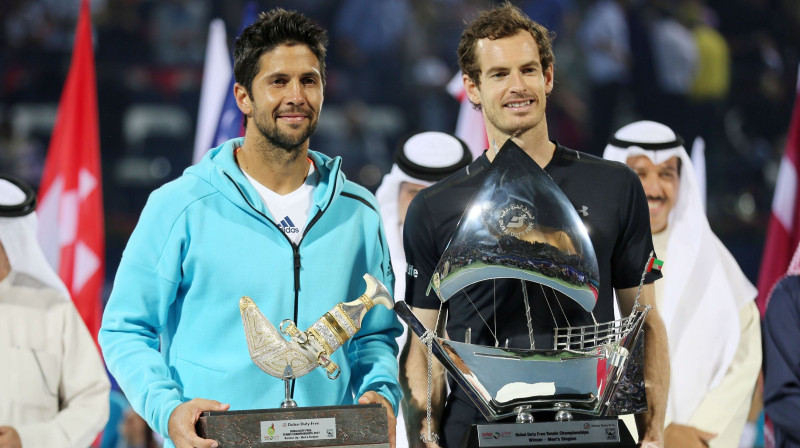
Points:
(704, 298)
(53, 385)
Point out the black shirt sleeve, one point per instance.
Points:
(422, 254)
(632, 250)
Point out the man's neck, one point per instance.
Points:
(279, 170)
(535, 143)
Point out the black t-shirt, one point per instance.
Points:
(612, 205)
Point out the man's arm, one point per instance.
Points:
(656, 365)
(414, 380)
(145, 287)
(372, 353)
(372, 356)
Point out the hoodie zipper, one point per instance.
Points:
(295, 247)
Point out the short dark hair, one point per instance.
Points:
(273, 28)
(503, 21)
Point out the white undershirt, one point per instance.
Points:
(290, 211)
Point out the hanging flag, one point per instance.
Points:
(470, 126)
(70, 194)
(699, 165)
(654, 264)
(217, 73)
(783, 233)
(219, 118)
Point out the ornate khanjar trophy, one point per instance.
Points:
(520, 226)
(290, 425)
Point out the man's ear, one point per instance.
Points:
(472, 89)
(549, 75)
(242, 99)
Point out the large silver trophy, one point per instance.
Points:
(521, 226)
(290, 425)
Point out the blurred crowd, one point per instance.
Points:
(723, 70)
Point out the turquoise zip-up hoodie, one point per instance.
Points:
(172, 330)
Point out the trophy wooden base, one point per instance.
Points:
(595, 433)
(325, 426)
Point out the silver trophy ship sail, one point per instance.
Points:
(521, 226)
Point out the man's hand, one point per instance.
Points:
(9, 437)
(683, 436)
(183, 419)
(374, 397)
(414, 381)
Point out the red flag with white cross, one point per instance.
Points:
(70, 194)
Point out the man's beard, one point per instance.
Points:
(283, 140)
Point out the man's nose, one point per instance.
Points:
(517, 82)
(296, 95)
(651, 186)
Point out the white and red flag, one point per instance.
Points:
(70, 194)
(470, 126)
(783, 233)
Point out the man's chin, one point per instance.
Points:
(290, 141)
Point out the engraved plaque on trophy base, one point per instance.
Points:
(324, 426)
(601, 433)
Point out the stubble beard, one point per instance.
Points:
(516, 126)
(509, 126)
(290, 144)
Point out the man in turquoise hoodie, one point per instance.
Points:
(261, 216)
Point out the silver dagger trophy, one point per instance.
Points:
(305, 350)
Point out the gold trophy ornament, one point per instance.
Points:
(305, 350)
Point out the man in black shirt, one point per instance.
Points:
(507, 63)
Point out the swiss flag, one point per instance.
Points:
(783, 233)
(470, 126)
(70, 197)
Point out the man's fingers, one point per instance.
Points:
(185, 416)
(706, 436)
(203, 405)
(198, 442)
(189, 439)
(374, 397)
(368, 397)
